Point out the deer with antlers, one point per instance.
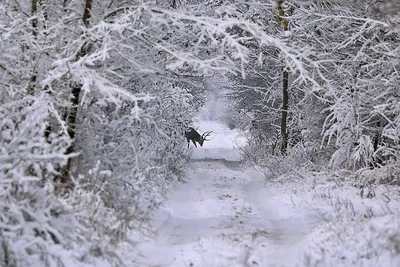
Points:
(192, 134)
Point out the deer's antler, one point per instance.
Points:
(205, 135)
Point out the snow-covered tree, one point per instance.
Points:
(97, 95)
(360, 77)
(348, 107)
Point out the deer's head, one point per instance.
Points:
(203, 138)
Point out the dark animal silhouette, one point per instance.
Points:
(194, 136)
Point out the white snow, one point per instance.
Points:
(225, 214)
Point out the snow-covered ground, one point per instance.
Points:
(227, 215)
(224, 144)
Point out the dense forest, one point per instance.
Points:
(96, 96)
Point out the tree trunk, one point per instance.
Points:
(285, 107)
(285, 87)
(34, 5)
(377, 159)
(87, 12)
(73, 112)
(32, 80)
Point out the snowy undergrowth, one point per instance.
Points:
(40, 226)
(357, 226)
(355, 242)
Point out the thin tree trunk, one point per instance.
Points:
(32, 80)
(87, 12)
(76, 91)
(377, 159)
(285, 86)
(47, 132)
(285, 107)
(34, 8)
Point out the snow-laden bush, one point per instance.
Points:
(350, 111)
(36, 228)
(351, 229)
(355, 242)
(359, 82)
(387, 174)
(39, 227)
(101, 228)
(138, 157)
(299, 157)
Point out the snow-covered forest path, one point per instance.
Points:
(224, 215)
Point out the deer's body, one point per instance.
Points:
(192, 135)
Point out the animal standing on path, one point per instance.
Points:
(192, 134)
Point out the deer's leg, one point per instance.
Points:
(194, 142)
(188, 140)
